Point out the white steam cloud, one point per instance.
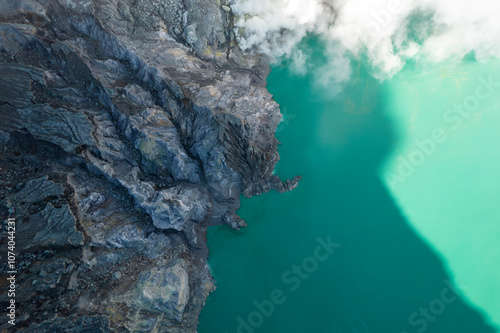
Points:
(388, 32)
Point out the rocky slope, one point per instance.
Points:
(127, 127)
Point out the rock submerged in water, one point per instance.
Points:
(126, 129)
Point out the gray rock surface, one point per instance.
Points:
(55, 223)
(127, 127)
(163, 290)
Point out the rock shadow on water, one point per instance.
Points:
(385, 277)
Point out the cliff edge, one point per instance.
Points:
(127, 127)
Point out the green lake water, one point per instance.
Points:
(395, 226)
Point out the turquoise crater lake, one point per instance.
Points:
(395, 225)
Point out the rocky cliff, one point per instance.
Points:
(127, 127)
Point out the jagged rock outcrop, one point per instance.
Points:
(163, 290)
(126, 129)
(55, 223)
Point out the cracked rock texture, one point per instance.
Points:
(127, 127)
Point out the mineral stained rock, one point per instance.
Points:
(127, 127)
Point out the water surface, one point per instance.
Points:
(410, 250)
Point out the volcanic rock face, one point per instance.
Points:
(127, 127)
